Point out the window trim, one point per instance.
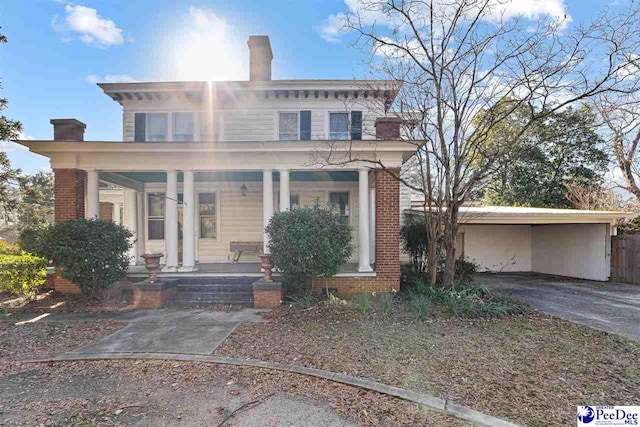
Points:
(277, 135)
(217, 215)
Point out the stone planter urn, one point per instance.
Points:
(265, 263)
(152, 264)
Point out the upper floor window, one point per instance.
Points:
(157, 127)
(294, 125)
(183, 127)
(345, 126)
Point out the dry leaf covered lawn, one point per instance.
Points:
(533, 369)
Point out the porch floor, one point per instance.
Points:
(247, 269)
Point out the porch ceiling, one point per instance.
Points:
(306, 176)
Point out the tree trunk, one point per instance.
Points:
(449, 244)
(432, 261)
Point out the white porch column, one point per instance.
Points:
(285, 196)
(372, 225)
(188, 226)
(140, 221)
(171, 221)
(93, 194)
(131, 221)
(267, 203)
(363, 227)
(115, 213)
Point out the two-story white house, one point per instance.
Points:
(202, 166)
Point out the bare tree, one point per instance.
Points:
(465, 67)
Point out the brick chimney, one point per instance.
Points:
(68, 130)
(260, 56)
(388, 127)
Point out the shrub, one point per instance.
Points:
(362, 302)
(465, 269)
(306, 243)
(462, 300)
(22, 274)
(8, 249)
(30, 238)
(90, 253)
(414, 238)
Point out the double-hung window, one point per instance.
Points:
(183, 127)
(207, 208)
(155, 220)
(339, 203)
(294, 125)
(345, 125)
(157, 127)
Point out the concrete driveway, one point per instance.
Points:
(611, 307)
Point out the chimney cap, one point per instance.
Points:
(73, 122)
(260, 41)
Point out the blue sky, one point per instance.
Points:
(57, 50)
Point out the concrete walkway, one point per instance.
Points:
(183, 331)
(608, 306)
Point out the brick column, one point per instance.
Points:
(69, 185)
(388, 226)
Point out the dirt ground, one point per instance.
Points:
(533, 369)
(158, 393)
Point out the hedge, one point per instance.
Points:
(22, 274)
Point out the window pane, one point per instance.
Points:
(156, 205)
(157, 125)
(208, 228)
(156, 229)
(339, 203)
(183, 127)
(288, 126)
(338, 126)
(294, 201)
(207, 202)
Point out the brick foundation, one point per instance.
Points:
(267, 295)
(65, 286)
(106, 211)
(387, 277)
(156, 295)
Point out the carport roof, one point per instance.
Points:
(526, 215)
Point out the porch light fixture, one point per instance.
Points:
(243, 189)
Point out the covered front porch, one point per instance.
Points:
(212, 222)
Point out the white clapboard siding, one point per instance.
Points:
(255, 119)
(240, 217)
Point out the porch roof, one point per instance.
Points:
(306, 176)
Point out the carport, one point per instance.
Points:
(563, 242)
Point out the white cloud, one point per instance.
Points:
(12, 147)
(334, 25)
(86, 24)
(111, 78)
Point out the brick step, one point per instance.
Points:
(214, 298)
(240, 280)
(216, 287)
